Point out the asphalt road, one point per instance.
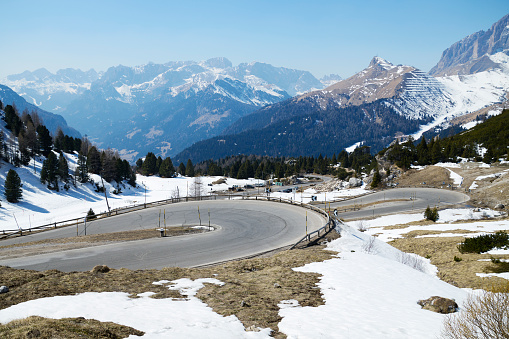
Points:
(244, 228)
(399, 200)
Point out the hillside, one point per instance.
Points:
(310, 132)
(51, 120)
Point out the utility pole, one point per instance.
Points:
(104, 189)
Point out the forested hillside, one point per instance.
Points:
(487, 142)
(309, 132)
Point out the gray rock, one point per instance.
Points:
(354, 182)
(499, 206)
(4, 289)
(439, 305)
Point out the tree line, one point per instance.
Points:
(263, 167)
(487, 142)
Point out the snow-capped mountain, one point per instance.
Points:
(372, 107)
(49, 91)
(476, 52)
(161, 107)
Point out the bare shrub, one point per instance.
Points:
(370, 246)
(411, 260)
(196, 187)
(361, 226)
(483, 316)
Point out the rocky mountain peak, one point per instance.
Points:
(380, 62)
(471, 54)
(220, 62)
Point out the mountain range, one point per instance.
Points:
(161, 107)
(256, 108)
(376, 105)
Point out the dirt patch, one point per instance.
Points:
(442, 253)
(37, 327)
(431, 176)
(418, 233)
(252, 290)
(54, 245)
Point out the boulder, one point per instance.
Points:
(100, 269)
(354, 182)
(439, 305)
(499, 206)
(4, 289)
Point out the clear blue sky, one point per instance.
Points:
(319, 36)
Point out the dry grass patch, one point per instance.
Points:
(417, 233)
(37, 327)
(254, 287)
(432, 175)
(252, 290)
(442, 252)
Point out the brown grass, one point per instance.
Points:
(442, 251)
(252, 289)
(37, 327)
(417, 233)
(431, 175)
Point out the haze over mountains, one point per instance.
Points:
(161, 107)
(261, 109)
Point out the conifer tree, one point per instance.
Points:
(182, 169)
(166, 169)
(45, 141)
(377, 179)
(63, 168)
(94, 160)
(82, 169)
(49, 171)
(149, 166)
(12, 188)
(189, 168)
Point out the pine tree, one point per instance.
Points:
(377, 179)
(182, 169)
(13, 191)
(49, 171)
(63, 168)
(82, 169)
(45, 141)
(149, 166)
(94, 160)
(431, 214)
(166, 170)
(189, 168)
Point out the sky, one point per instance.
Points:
(322, 37)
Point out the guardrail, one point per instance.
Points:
(77, 221)
(117, 211)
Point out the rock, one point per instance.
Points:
(253, 328)
(276, 285)
(439, 305)
(499, 206)
(244, 304)
(355, 182)
(4, 289)
(100, 269)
